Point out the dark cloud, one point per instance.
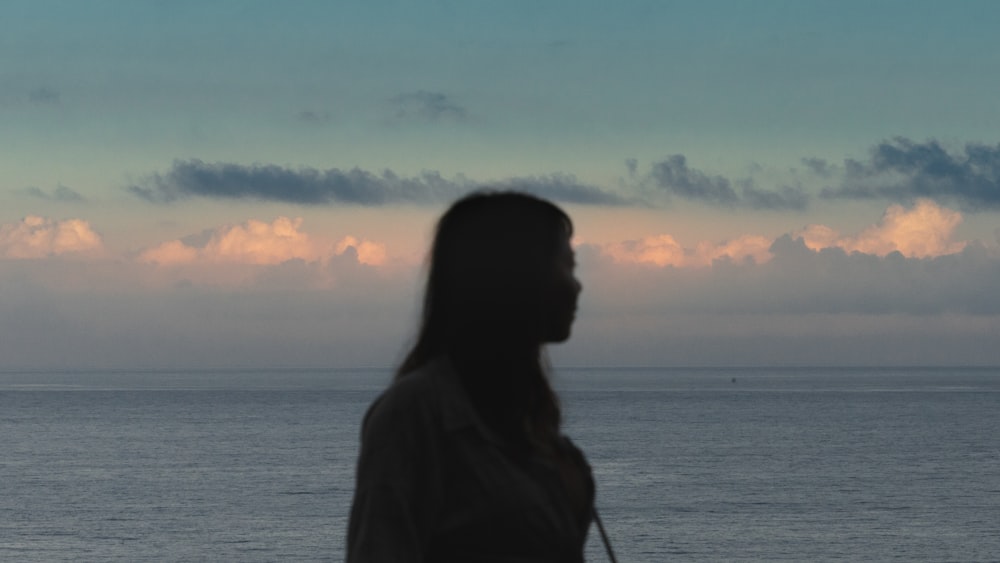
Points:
(632, 165)
(427, 106)
(61, 193)
(308, 186)
(674, 175)
(314, 117)
(561, 187)
(902, 170)
(819, 167)
(35, 191)
(45, 96)
(269, 182)
(785, 197)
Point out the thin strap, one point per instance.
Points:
(604, 536)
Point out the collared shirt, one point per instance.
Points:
(433, 485)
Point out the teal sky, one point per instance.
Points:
(541, 86)
(153, 122)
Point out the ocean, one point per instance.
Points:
(761, 464)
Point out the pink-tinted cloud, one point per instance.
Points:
(171, 252)
(661, 250)
(258, 254)
(41, 237)
(252, 242)
(261, 243)
(925, 230)
(664, 250)
(371, 253)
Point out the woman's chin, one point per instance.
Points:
(558, 336)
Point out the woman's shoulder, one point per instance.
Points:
(417, 387)
(413, 397)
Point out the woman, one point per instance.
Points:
(462, 458)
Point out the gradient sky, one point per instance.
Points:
(232, 184)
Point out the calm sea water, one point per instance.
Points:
(691, 464)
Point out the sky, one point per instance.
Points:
(234, 184)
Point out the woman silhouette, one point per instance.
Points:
(462, 458)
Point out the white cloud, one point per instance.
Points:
(41, 237)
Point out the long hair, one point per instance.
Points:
(485, 308)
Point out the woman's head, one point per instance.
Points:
(500, 284)
(500, 277)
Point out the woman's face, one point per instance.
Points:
(563, 293)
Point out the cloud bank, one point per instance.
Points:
(900, 171)
(924, 230)
(796, 281)
(308, 186)
(264, 293)
(261, 243)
